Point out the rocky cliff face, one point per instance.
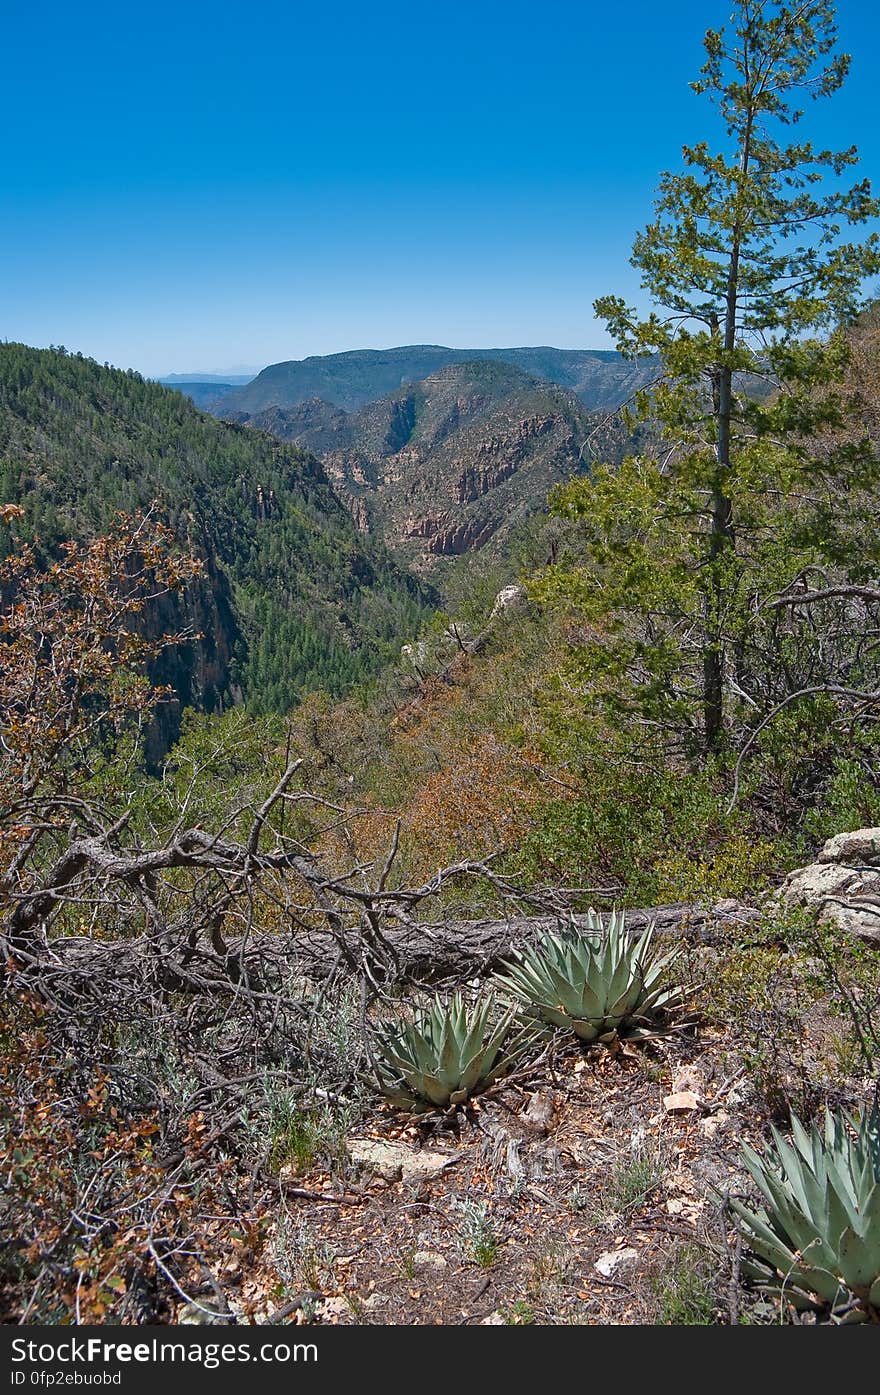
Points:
(448, 465)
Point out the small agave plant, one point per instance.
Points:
(817, 1241)
(450, 1051)
(598, 981)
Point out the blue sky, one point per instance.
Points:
(200, 186)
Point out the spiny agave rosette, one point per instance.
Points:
(597, 981)
(448, 1052)
(817, 1243)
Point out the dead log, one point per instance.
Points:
(424, 951)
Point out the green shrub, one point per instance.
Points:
(683, 1289)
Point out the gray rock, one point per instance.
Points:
(612, 1260)
(398, 1162)
(851, 849)
(429, 1259)
(509, 598)
(842, 886)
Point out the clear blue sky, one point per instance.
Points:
(199, 186)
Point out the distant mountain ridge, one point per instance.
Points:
(206, 395)
(601, 378)
(223, 379)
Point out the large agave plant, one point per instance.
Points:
(447, 1053)
(817, 1243)
(597, 981)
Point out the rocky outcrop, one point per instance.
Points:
(842, 886)
(473, 483)
(449, 537)
(513, 597)
(461, 537)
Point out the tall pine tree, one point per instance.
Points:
(752, 269)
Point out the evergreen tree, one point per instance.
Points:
(753, 272)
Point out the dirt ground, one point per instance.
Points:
(586, 1190)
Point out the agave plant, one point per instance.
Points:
(597, 980)
(817, 1242)
(447, 1053)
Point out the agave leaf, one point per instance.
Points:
(786, 1221)
(803, 1231)
(403, 1098)
(480, 1064)
(869, 1139)
(859, 1261)
(822, 1228)
(753, 1268)
(437, 1091)
(800, 1180)
(628, 1001)
(395, 1058)
(761, 1237)
(813, 1278)
(448, 1056)
(445, 1053)
(585, 1029)
(624, 980)
(591, 1000)
(868, 1216)
(593, 980)
(472, 1040)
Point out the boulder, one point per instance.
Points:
(509, 598)
(613, 1260)
(842, 886)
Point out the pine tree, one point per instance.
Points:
(750, 264)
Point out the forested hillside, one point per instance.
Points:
(293, 599)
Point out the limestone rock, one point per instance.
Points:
(429, 1259)
(613, 1260)
(862, 846)
(509, 598)
(396, 1162)
(842, 886)
(681, 1102)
